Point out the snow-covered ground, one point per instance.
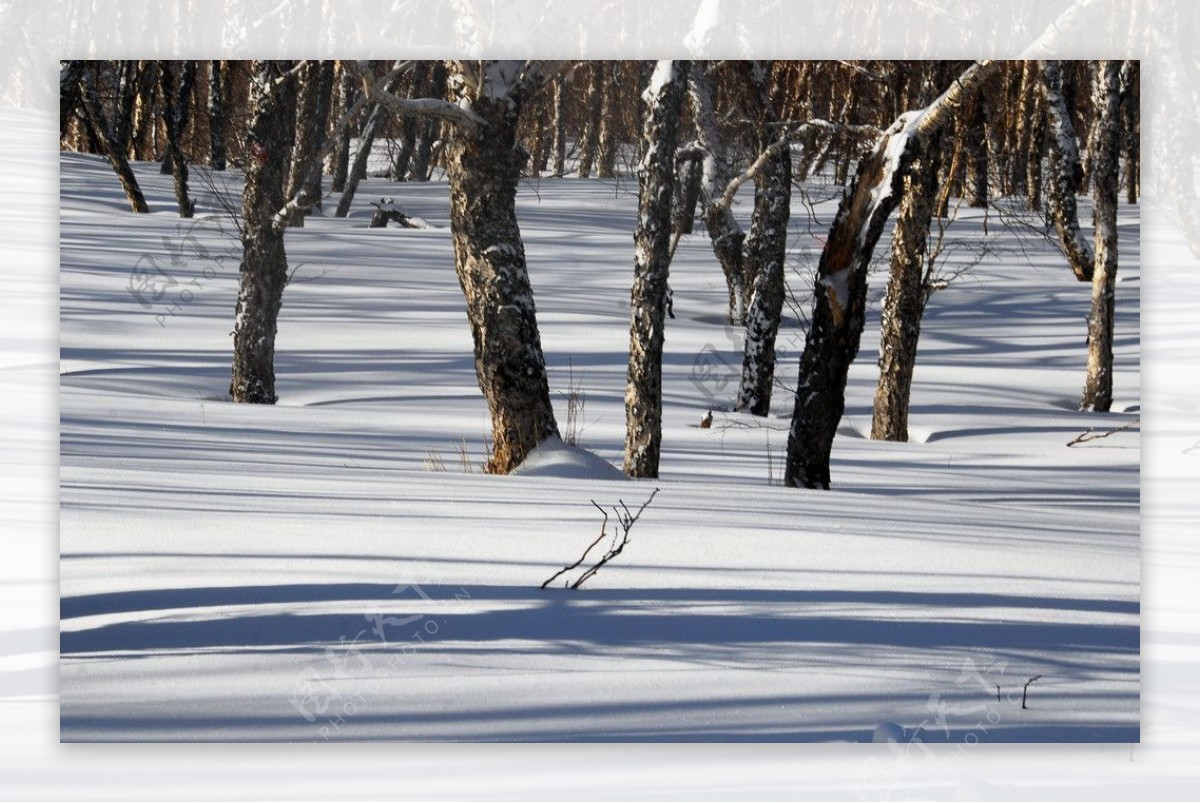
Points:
(335, 567)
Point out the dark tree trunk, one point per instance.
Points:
(652, 260)
(423, 159)
(216, 117)
(1036, 152)
(766, 252)
(1106, 180)
(976, 145)
(606, 156)
(69, 76)
(1065, 173)
(175, 80)
(689, 172)
(312, 111)
(112, 147)
(408, 134)
(904, 301)
(340, 159)
(483, 167)
(264, 261)
(1131, 127)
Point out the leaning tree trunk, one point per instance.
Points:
(358, 170)
(840, 291)
(1065, 173)
(264, 261)
(111, 145)
(652, 261)
(1097, 390)
(904, 301)
(216, 117)
(766, 251)
(483, 166)
(723, 230)
(176, 87)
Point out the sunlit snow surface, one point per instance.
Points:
(336, 568)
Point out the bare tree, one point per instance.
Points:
(652, 260)
(110, 136)
(1065, 173)
(312, 110)
(216, 117)
(358, 169)
(1106, 181)
(175, 80)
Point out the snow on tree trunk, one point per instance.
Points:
(312, 111)
(723, 230)
(109, 142)
(264, 261)
(176, 85)
(904, 301)
(216, 117)
(765, 254)
(840, 291)
(483, 166)
(652, 258)
(1064, 173)
(1106, 181)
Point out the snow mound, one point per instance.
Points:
(553, 458)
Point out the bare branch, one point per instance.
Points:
(1092, 435)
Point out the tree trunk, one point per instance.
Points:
(483, 167)
(358, 170)
(560, 129)
(1106, 181)
(408, 135)
(312, 112)
(1064, 173)
(216, 117)
(1131, 127)
(1035, 153)
(904, 302)
(723, 230)
(976, 144)
(689, 172)
(840, 291)
(69, 76)
(175, 99)
(340, 159)
(590, 137)
(422, 160)
(606, 156)
(111, 146)
(264, 261)
(766, 252)
(652, 260)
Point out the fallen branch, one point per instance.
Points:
(625, 522)
(1092, 435)
(1025, 693)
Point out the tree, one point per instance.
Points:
(1106, 182)
(263, 273)
(366, 140)
(839, 310)
(652, 259)
(312, 110)
(1065, 173)
(110, 136)
(216, 117)
(589, 139)
(176, 85)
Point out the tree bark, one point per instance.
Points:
(723, 230)
(69, 76)
(652, 259)
(408, 135)
(339, 167)
(606, 155)
(358, 170)
(840, 291)
(176, 87)
(560, 129)
(113, 147)
(483, 166)
(1106, 182)
(312, 112)
(590, 137)
(422, 166)
(264, 261)
(1065, 173)
(904, 301)
(1131, 127)
(766, 252)
(216, 117)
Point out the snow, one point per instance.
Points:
(307, 572)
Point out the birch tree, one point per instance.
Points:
(839, 310)
(1098, 386)
(1065, 173)
(110, 135)
(176, 81)
(216, 117)
(652, 257)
